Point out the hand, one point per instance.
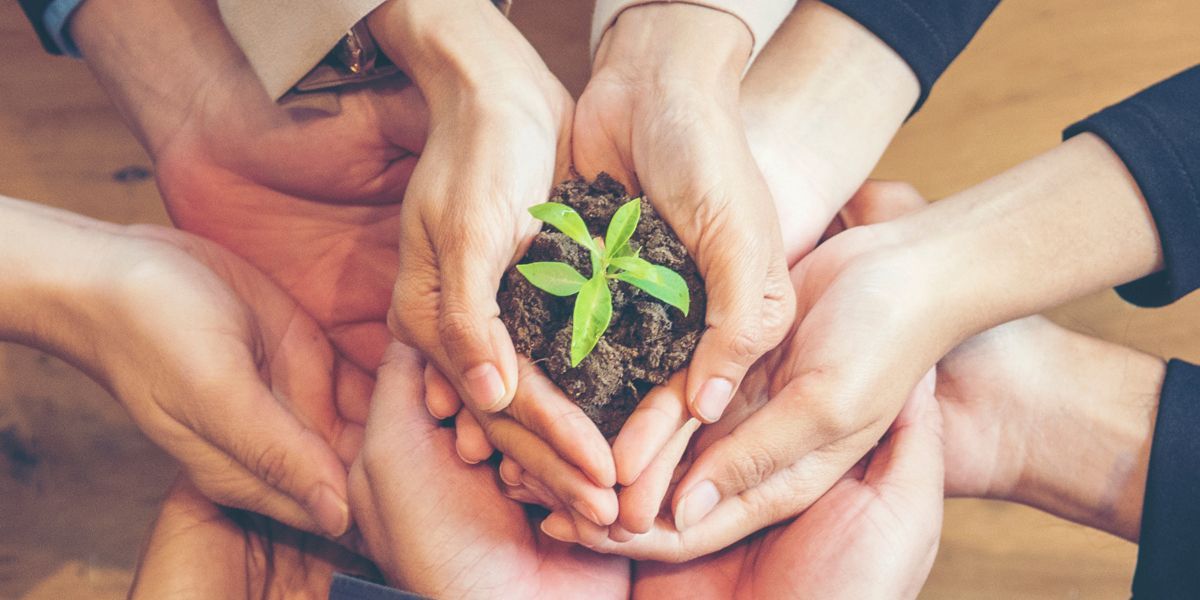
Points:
(198, 550)
(875, 312)
(499, 134)
(873, 535)
(780, 496)
(1010, 395)
(237, 168)
(660, 114)
(439, 527)
(214, 363)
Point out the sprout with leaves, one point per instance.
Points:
(612, 258)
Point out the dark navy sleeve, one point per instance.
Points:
(346, 587)
(927, 34)
(35, 11)
(1168, 563)
(1157, 135)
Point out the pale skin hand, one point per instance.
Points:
(439, 527)
(498, 140)
(842, 383)
(660, 114)
(214, 363)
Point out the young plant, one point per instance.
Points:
(612, 258)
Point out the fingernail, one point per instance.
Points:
(696, 504)
(583, 509)
(484, 384)
(714, 396)
(559, 527)
(329, 510)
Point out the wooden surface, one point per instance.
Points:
(78, 484)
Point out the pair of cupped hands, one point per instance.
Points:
(792, 368)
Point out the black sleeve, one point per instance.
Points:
(34, 11)
(1168, 563)
(1157, 135)
(927, 34)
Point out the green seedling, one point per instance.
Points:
(612, 258)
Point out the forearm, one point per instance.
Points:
(824, 99)
(1067, 223)
(153, 59)
(1085, 448)
(46, 256)
(457, 51)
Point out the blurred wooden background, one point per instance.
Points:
(78, 484)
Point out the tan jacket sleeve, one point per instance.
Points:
(285, 39)
(762, 17)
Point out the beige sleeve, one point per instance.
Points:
(285, 39)
(762, 17)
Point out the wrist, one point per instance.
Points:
(675, 44)
(827, 96)
(457, 50)
(49, 261)
(1065, 224)
(1103, 398)
(153, 62)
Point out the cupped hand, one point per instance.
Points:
(220, 368)
(199, 550)
(498, 140)
(660, 114)
(308, 194)
(439, 527)
(873, 535)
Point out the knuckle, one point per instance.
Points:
(750, 468)
(456, 327)
(272, 465)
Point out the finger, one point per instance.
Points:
(510, 471)
(878, 201)
(542, 408)
(910, 457)
(440, 398)
(476, 343)
(519, 493)
(564, 482)
(748, 315)
(649, 428)
(802, 417)
(641, 503)
(296, 463)
(470, 441)
(541, 494)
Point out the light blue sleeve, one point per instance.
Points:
(56, 19)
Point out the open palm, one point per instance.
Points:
(442, 528)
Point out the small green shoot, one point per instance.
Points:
(612, 258)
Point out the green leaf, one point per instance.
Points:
(593, 311)
(556, 278)
(565, 219)
(621, 227)
(656, 280)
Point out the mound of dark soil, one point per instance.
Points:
(646, 341)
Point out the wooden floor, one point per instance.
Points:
(78, 484)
